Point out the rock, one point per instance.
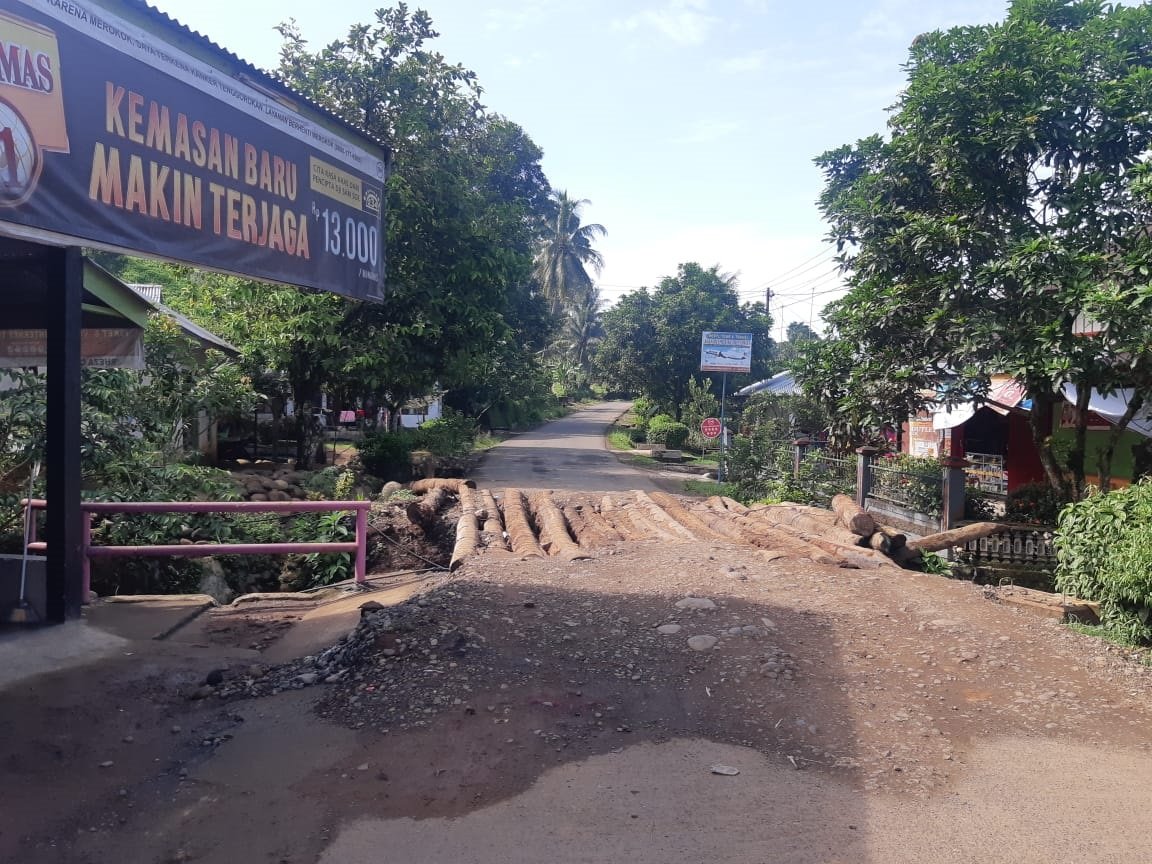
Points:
(370, 607)
(695, 603)
(725, 770)
(307, 678)
(282, 485)
(390, 489)
(669, 629)
(702, 643)
(214, 678)
(258, 496)
(107, 764)
(279, 495)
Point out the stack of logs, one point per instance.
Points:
(852, 537)
(535, 525)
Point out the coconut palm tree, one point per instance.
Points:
(566, 253)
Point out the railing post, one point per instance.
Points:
(864, 459)
(954, 491)
(85, 561)
(799, 448)
(361, 545)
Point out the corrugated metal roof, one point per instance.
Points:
(782, 382)
(262, 77)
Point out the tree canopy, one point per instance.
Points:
(652, 340)
(1010, 197)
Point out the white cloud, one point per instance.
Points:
(685, 22)
(708, 131)
(747, 63)
(517, 18)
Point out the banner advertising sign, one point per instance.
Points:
(101, 348)
(725, 352)
(112, 137)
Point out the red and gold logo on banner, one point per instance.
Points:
(31, 106)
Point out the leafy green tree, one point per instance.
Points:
(565, 254)
(652, 340)
(1011, 194)
(799, 336)
(466, 198)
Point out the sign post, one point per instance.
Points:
(725, 352)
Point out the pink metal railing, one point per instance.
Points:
(204, 550)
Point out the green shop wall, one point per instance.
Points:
(1097, 440)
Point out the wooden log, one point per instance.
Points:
(617, 516)
(956, 536)
(554, 536)
(520, 533)
(845, 550)
(665, 524)
(591, 530)
(422, 513)
(687, 518)
(853, 517)
(908, 558)
(492, 532)
(809, 525)
(452, 484)
(721, 521)
(733, 505)
(467, 537)
(896, 538)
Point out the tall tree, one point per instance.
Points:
(652, 340)
(565, 254)
(466, 199)
(1012, 194)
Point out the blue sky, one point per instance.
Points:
(690, 125)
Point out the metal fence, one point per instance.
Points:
(918, 491)
(823, 476)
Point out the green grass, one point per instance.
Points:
(618, 439)
(642, 461)
(711, 487)
(486, 442)
(1141, 653)
(708, 461)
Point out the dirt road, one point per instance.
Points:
(567, 453)
(548, 710)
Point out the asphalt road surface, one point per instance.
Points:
(568, 453)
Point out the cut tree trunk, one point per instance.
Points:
(853, 517)
(493, 528)
(665, 523)
(895, 538)
(554, 536)
(687, 518)
(422, 513)
(956, 536)
(520, 533)
(452, 484)
(467, 534)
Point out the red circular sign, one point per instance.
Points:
(710, 427)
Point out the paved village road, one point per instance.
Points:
(568, 453)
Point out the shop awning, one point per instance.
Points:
(1002, 398)
(1113, 407)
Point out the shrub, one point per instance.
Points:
(1036, 503)
(1104, 553)
(643, 409)
(637, 435)
(662, 429)
(451, 435)
(386, 454)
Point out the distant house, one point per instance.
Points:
(994, 434)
